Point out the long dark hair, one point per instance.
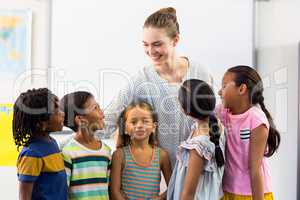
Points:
(30, 109)
(249, 76)
(73, 104)
(198, 100)
(125, 138)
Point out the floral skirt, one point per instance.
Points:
(229, 196)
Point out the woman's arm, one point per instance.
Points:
(115, 176)
(117, 105)
(166, 169)
(25, 190)
(194, 171)
(258, 141)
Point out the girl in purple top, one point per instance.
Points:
(251, 136)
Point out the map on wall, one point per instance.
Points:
(15, 58)
(15, 40)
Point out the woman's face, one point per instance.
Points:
(158, 45)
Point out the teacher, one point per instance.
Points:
(158, 83)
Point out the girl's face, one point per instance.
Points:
(229, 92)
(158, 45)
(94, 117)
(139, 123)
(56, 119)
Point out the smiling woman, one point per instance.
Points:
(158, 83)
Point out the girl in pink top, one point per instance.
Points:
(251, 136)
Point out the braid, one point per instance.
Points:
(214, 132)
(273, 140)
(31, 108)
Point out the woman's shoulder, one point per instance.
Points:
(199, 71)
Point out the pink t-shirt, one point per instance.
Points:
(236, 178)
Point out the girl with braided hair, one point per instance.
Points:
(40, 165)
(199, 168)
(251, 137)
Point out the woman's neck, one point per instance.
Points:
(173, 70)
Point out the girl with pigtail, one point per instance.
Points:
(200, 161)
(251, 136)
(138, 162)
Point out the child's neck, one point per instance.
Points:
(43, 136)
(140, 144)
(87, 139)
(202, 128)
(240, 108)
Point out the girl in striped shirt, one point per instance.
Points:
(138, 162)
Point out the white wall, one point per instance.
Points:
(40, 59)
(278, 34)
(92, 36)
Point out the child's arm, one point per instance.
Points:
(25, 190)
(116, 174)
(258, 143)
(166, 169)
(194, 171)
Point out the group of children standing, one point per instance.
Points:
(226, 150)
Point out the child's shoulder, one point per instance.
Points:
(117, 155)
(164, 155)
(105, 146)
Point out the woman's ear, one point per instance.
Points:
(176, 40)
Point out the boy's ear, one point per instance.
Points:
(243, 89)
(80, 120)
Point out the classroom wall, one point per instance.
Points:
(40, 44)
(276, 44)
(277, 38)
(40, 60)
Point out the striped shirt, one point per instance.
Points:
(42, 163)
(173, 125)
(139, 181)
(87, 171)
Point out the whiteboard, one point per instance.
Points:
(96, 45)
